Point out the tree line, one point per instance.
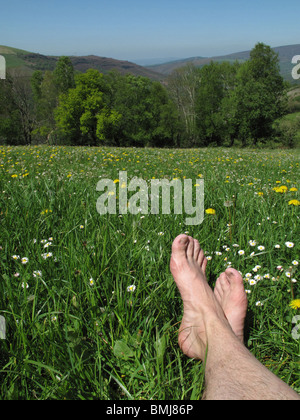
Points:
(220, 104)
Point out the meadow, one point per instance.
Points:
(91, 309)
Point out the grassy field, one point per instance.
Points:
(90, 306)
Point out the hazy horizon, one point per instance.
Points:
(136, 31)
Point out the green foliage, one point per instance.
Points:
(218, 105)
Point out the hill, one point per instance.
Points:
(29, 62)
(286, 53)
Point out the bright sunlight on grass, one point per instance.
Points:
(90, 306)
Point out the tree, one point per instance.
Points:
(183, 84)
(17, 110)
(260, 96)
(45, 94)
(64, 75)
(82, 114)
(213, 106)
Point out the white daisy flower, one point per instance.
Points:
(289, 244)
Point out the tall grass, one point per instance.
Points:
(74, 330)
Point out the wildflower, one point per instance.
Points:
(14, 176)
(37, 273)
(209, 258)
(256, 268)
(248, 275)
(267, 276)
(24, 260)
(252, 282)
(261, 248)
(54, 318)
(277, 246)
(260, 193)
(81, 227)
(47, 255)
(295, 304)
(295, 262)
(241, 252)
(17, 275)
(258, 277)
(282, 189)
(293, 189)
(259, 303)
(161, 234)
(289, 244)
(294, 203)
(92, 282)
(25, 285)
(218, 253)
(210, 211)
(131, 288)
(252, 243)
(288, 274)
(16, 257)
(47, 244)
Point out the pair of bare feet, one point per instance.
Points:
(226, 304)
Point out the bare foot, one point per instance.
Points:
(200, 305)
(231, 295)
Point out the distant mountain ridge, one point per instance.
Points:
(286, 53)
(29, 62)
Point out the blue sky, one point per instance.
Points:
(138, 29)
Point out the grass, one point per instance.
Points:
(74, 331)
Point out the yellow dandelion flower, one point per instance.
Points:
(294, 203)
(295, 304)
(282, 189)
(293, 189)
(210, 211)
(14, 176)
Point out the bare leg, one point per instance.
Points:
(232, 373)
